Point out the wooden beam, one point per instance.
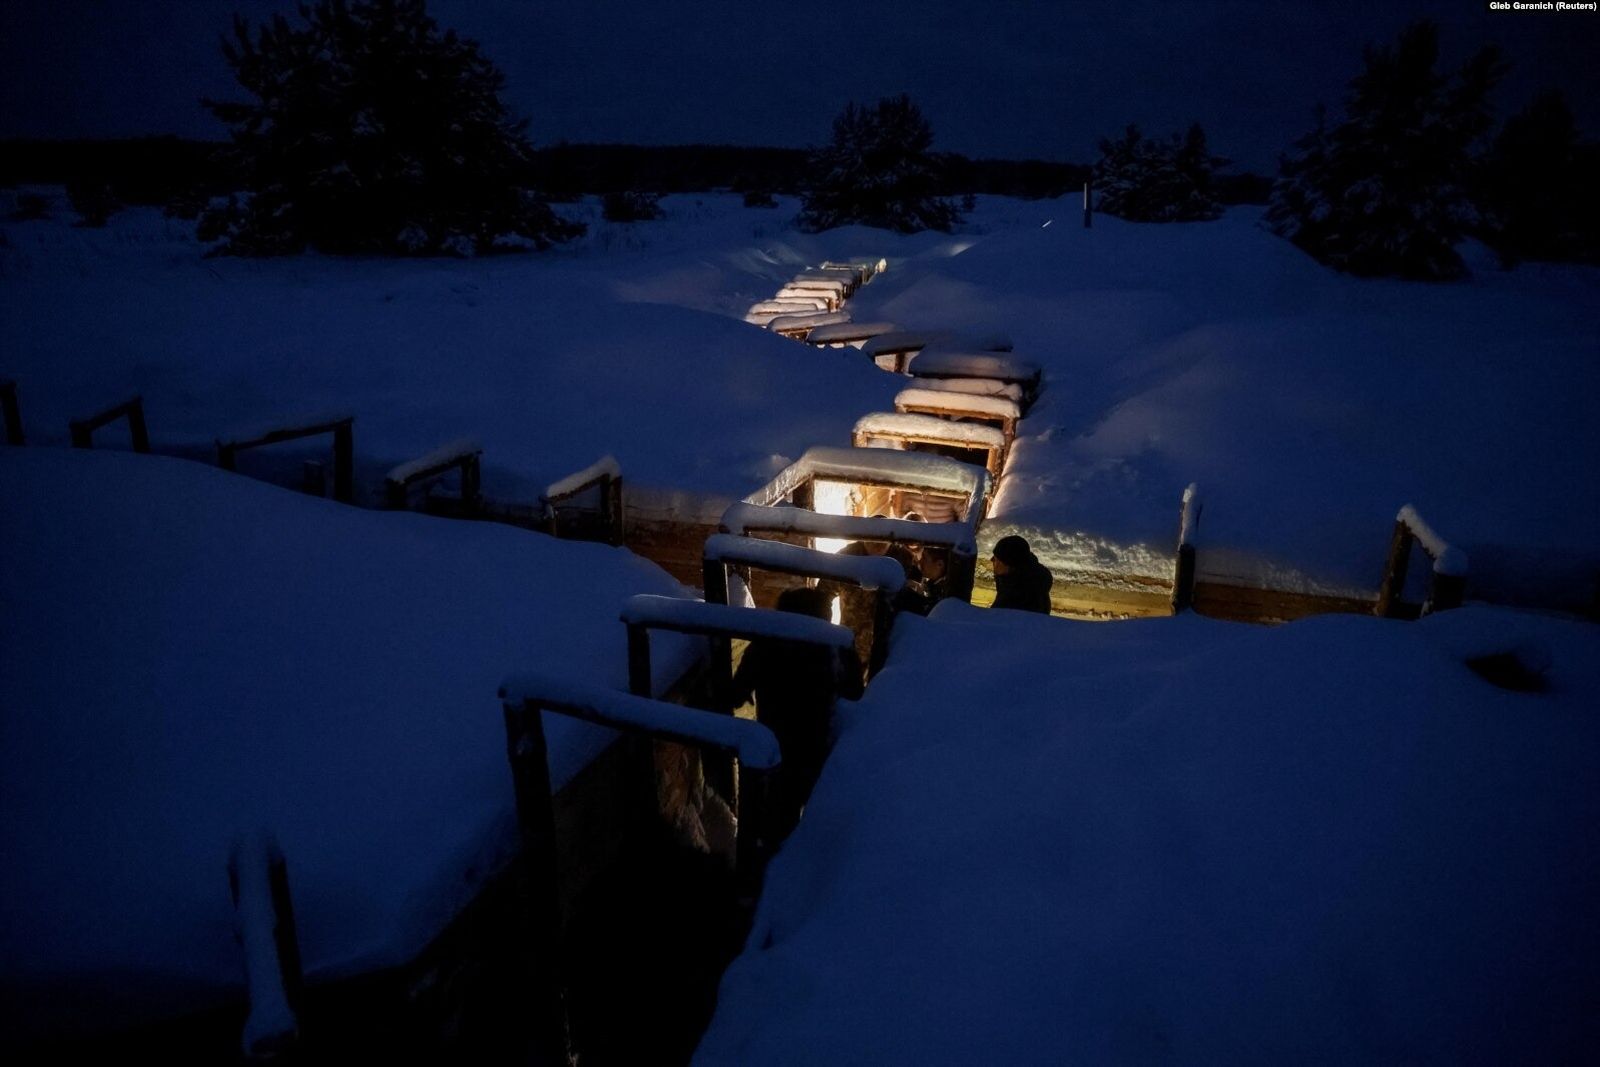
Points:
(11, 412)
(82, 430)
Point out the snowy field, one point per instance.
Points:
(1309, 406)
(1185, 841)
(190, 655)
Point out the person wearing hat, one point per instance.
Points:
(1020, 580)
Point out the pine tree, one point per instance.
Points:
(1537, 187)
(373, 131)
(1387, 190)
(1144, 180)
(878, 171)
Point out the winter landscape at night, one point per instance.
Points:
(891, 533)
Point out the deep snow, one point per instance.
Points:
(191, 655)
(1308, 406)
(1185, 841)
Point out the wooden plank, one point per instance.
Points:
(11, 412)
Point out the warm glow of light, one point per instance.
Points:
(833, 498)
(835, 613)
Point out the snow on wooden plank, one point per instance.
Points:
(831, 285)
(973, 387)
(898, 341)
(447, 455)
(724, 620)
(930, 427)
(957, 363)
(957, 402)
(808, 321)
(604, 467)
(869, 572)
(752, 742)
(847, 332)
(786, 305)
(921, 470)
(745, 518)
(1447, 559)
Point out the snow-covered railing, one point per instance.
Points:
(934, 362)
(788, 305)
(829, 298)
(878, 575)
(851, 280)
(835, 286)
(463, 454)
(997, 411)
(341, 426)
(956, 540)
(258, 879)
(605, 474)
(847, 333)
(1448, 583)
(974, 387)
(1183, 575)
(721, 624)
(746, 519)
(901, 430)
(82, 430)
(11, 413)
(525, 697)
(888, 467)
(798, 326)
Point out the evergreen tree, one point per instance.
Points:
(1144, 180)
(1387, 190)
(1537, 188)
(879, 171)
(373, 131)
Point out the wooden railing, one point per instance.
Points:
(340, 426)
(82, 430)
(1447, 584)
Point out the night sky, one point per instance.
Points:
(996, 78)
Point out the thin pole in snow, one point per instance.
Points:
(1088, 212)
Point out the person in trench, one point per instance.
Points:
(1020, 580)
(795, 685)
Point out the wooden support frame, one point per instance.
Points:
(82, 430)
(342, 429)
(1183, 575)
(464, 456)
(11, 412)
(865, 436)
(609, 479)
(974, 411)
(258, 880)
(1447, 583)
(527, 749)
(960, 555)
(804, 563)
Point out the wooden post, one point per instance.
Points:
(12, 413)
(1447, 591)
(227, 456)
(612, 491)
(344, 463)
(750, 846)
(1088, 209)
(471, 482)
(1393, 585)
(136, 426)
(313, 478)
(258, 880)
(639, 681)
(882, 620)
(1183, 580)
(538, 884)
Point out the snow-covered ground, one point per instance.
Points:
(1309, 406)
(190, 656)
(1185, 841)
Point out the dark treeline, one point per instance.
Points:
(161, 170)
